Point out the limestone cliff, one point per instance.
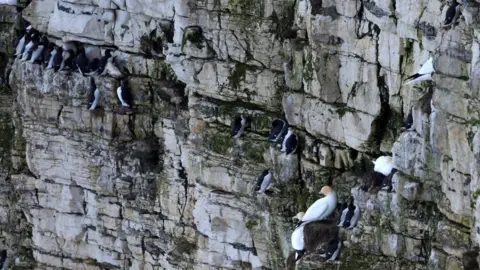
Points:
(168, 188)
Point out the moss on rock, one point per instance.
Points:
(237, 76)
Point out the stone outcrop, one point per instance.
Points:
(166, 187)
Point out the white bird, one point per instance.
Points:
(298, 242)
(423, 74)
(383, 165)
(322, 208)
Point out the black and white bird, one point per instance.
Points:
(93, 66)
(423, 74)
(350, 215)
(469, 259)
(409, 122)
(57, 59)
(290, 142)
(27, 50)
(93, 95)
(279, 127)
(111, 69)
(124, 95)
(47, 53)
(20, 45)
(81, 61)
(104, 61)
(263, 181)
(54, 52)
(452, 14)
(238, 126)
(68, 59)
(3, 259)
(37, 54)
(332, 250)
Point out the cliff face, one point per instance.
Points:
(168, 188)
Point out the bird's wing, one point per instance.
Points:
(427, 68)
(297, 239)
(318, 209)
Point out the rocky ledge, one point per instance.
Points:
(166, 187)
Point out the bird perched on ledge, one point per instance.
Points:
(423, 74)
(452, 14)
(124, 95)
(322, 208)
(93, 95)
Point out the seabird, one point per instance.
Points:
(322, 208)
(350, 215)
(469, 259)
(290, 142)
(20, 45)
(124, 95)
(374, 180)
(68, 59)
(3, 259)
(263, 181)
(27, 51)
(452, 14)
(52, 57)
(409, 122)
(57, 59)
(37, 54)
(111, 69)
(93, 95)
(82, 62)
(93, 66)
(298, 243)
(332, 250)
(423, 74)
(47, 53)
(279, 127)
(383, 165)
(306, 237)
(104, 60)
(238, 126)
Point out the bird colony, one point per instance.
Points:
(35, 48)
(319, 227)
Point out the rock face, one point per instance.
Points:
(166, 187)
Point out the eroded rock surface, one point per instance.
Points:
(166, 187)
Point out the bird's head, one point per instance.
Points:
(108, 53)
(326, 190)
(299, 216)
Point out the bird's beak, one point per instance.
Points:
(373, 161)
(294, 218)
